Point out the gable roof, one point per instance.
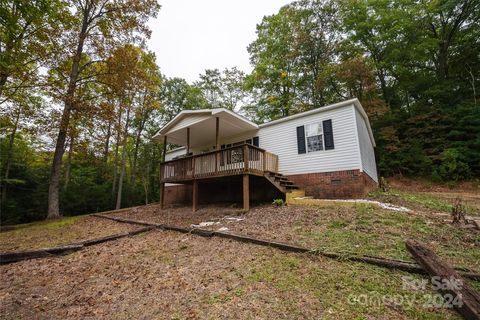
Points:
(337, 105)
(202, 126)
(201, 117)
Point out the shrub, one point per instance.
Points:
(278, 202)
(451, 167)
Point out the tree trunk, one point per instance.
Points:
(69, 163)
(117, 144)
(8, 162)
(124, 158)
(107, 146)
(53, 188)
(135, 152)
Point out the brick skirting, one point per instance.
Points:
(335, 185)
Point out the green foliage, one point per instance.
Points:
(421, 101)
(413, 65)
(278, 202)
(452, 167)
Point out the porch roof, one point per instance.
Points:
(202, 124)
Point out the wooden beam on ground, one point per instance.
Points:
(246, 192)
(131, 221)
(92, 242)
(195, 195)
(10, 257)
(454, 289)
(377, 261)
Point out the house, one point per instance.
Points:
(327, 152)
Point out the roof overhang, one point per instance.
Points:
(202, 126)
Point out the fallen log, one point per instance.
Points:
(268, 243)
(377, 261)
(123, 220)
(455, 291)
(10, 257)
(92, 242)
(125, 209)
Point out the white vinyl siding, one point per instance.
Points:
(367, 153)
(281, 139)
(353, 146)
(175, 153)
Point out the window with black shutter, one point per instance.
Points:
(314, 137)
(301, 140)
(328, 134)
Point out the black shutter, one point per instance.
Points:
(249, 141)
(255, 142)
(328, 134)
(301, 140)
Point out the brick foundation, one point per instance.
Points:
(335, 185)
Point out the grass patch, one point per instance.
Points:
(45, 224)
(335, 285)
(368, 230)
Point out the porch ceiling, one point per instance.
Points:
(202, 124)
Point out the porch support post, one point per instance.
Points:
(195, 195)
(164, 148)
(217, 130)
(246, 192)
(188, 141)
(217, 146)
(162, 184)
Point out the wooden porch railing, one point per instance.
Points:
(235, 160)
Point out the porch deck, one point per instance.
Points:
(237, 160)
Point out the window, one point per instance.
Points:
(314, 137)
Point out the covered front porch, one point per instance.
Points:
(218, 144)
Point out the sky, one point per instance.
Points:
(189, 36)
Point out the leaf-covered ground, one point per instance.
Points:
(46, 234)
(168, 275)
(347, 228)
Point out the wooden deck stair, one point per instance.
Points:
(281, 182)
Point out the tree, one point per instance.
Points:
(176, 95)
(99, 23)
(25, 41)
(293, 48)
(223, 89)
(17, 115)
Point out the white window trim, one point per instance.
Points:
(306, 136)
